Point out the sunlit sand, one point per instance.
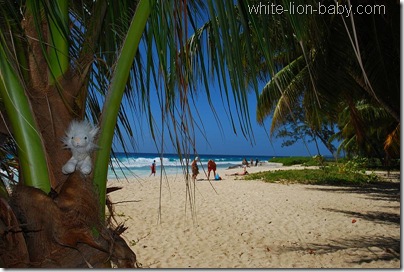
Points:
(252, 224)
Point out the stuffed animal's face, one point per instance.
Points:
(79, 140)
(80, 136)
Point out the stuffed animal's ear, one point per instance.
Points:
(94, 131)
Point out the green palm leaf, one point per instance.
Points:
(115, 94)
(32, 158)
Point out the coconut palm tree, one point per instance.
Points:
(65, 60)
(48, 51)
(356, 140)
(340, 61)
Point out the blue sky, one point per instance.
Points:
(220, 138)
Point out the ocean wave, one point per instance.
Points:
(141, 162)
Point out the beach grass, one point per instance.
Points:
(307, 161)
(355, 162)
(329, 175)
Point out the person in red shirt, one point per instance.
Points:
(153, 168)
(211, 167)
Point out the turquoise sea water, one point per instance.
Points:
(138, 164)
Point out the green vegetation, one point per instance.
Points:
(354, 164)
(307, 161)
(330, 81)
(330, 175)
(345, 172)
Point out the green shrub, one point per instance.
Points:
(288, 161)
(330, 175)
(355, 165)
(316, 160)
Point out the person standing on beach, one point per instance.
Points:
(211, 167)
(244, 162)
(153, 168)
(195, 169)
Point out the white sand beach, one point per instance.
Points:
(252, 224)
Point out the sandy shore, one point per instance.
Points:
(252, 224)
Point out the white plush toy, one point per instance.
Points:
(80, 140)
